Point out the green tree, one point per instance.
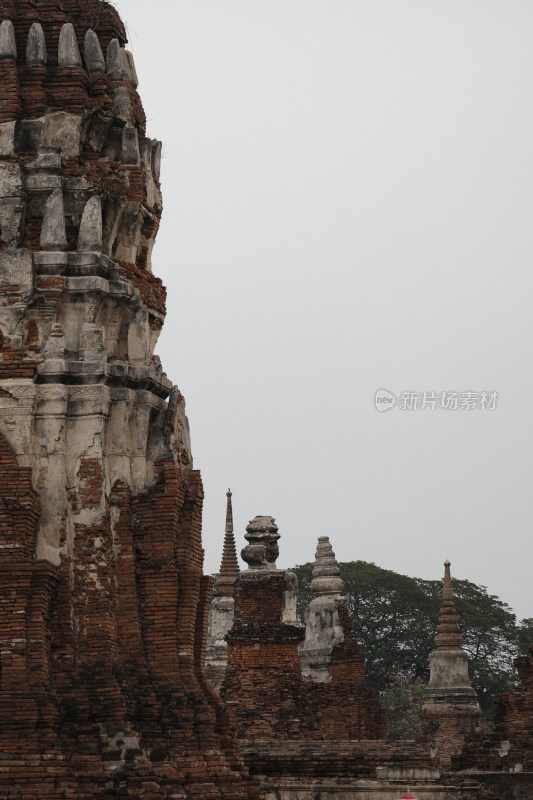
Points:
(395, 619)
(525, 636)
(403, 703)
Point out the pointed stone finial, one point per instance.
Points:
(130, 146)
(36, 46)
(323, 628)
(222, 612)
(132, 69)
(94, 57)
(8, 45)
(68, 54)
(53, 232)
(448, 635)
(229, 567)
(229, 513)
(90, 235)
(114, 60)
(326, 572)
(262, 549)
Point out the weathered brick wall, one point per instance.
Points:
(346, 708)
(506, 752)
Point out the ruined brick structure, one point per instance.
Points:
(309, 726)
(502, 760)
(307, 722)
(103, 609)
(103, 612)
(273, 701)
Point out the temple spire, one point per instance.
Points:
(326, 571)
(448, 636)
(222, 612)
(450, 701)
(229, 567)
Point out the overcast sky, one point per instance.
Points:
(348, 190)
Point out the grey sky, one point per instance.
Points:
(348, 191)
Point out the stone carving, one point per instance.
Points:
(262, 549)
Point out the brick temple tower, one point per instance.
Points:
(222, 612)
(103, 613)
(450, 702)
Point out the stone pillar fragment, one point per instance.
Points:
(114, 60)
(68, 54)
(8, 45)
(132, 70)
(130, 146)
(36, 46)
(94, 57)
(156, 159)
(53, 232)
(90, 235)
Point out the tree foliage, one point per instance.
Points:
(395, 618)
(403, 703)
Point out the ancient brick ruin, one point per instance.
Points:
(502, 760)
(103, 612)
(264, 684)
(306, 721)
(104, 608)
